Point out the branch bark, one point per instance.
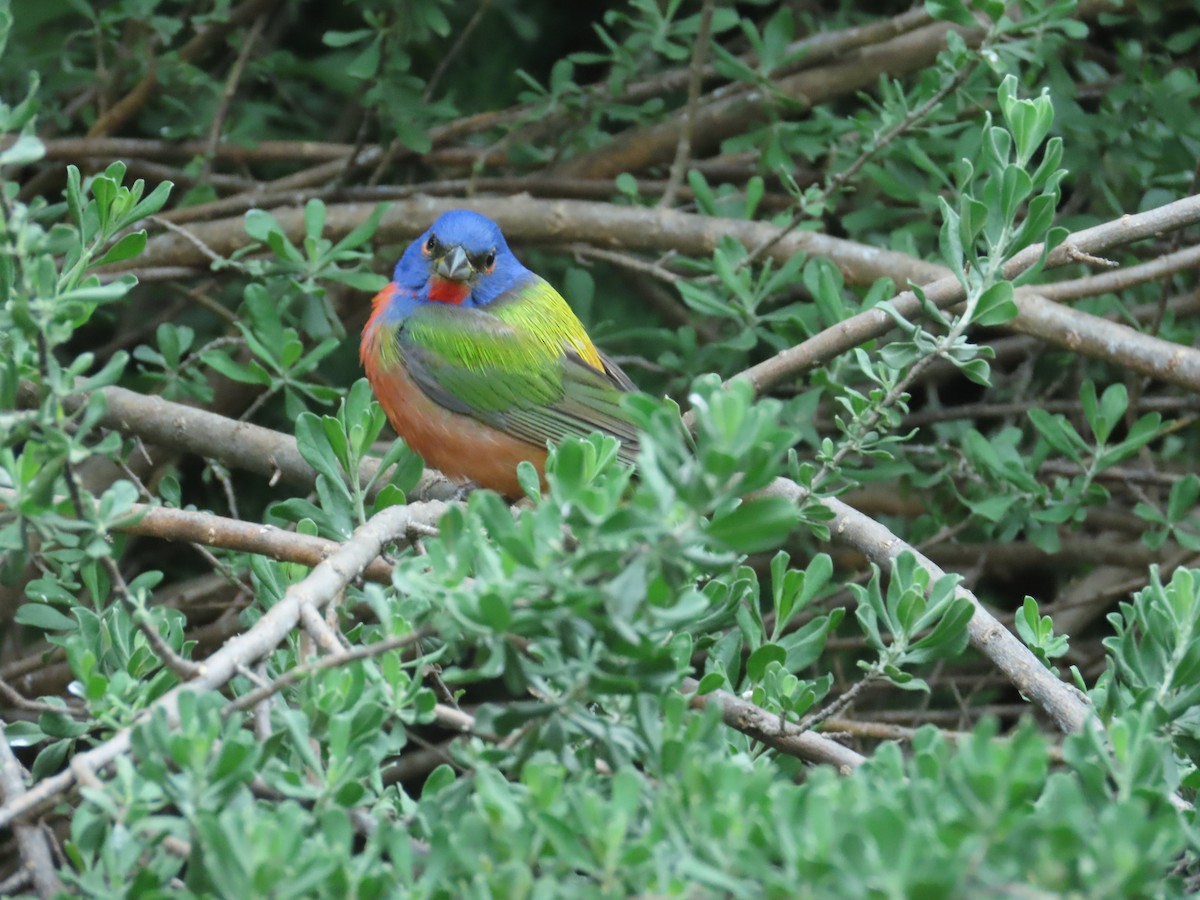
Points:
(1050, 322)
(32, 842)
(213, 530)
(770, 729)
(239, 445)
(661, 230)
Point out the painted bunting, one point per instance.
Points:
(478, 362)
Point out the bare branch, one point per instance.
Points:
(239, 445)
(566, 221)
(31, 840)
(773, 731)
(211, 530)
(1051, 322)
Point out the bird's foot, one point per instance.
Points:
(462, 491)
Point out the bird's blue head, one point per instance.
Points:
(462, 260)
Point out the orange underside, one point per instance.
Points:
(456, 445)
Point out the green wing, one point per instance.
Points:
(524, 366)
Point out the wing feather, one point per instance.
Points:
(522, 371)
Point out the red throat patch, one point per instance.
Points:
(443, 290)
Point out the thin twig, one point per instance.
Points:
(812, 720)
(1187, 259)
(455, 49)
(885, 731)
(331, 661)
(20, 701)
(683, 149)
(231, 85)
(192, 239)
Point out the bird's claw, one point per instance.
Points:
(462, 491)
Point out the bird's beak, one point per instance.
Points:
(454, 265)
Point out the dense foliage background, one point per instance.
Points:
(902, 600)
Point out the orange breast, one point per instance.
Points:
(460, 447)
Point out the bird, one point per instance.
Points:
(478, 362)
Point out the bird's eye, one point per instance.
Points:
(431, 246)
(489, 260)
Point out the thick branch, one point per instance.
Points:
(1053, 323)
(529, 220)
(212, 530)
(770, 729)
(565, 221)
(31, 840)
(239, 445)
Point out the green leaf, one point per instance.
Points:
(712, 681)
(363, 232)
(23, 734)
(977, 370)
(312, 440)
(259, 224)
(757, 524)
(314, 218)
(43, 616)
(996, 305)
(950, 240)
(1015, 186)
(27, 148)
(705, 199)
(756, 665)
(219, 361)
(954, 11)
(495, 611)
(126, 248)
(1104, 417)
(149, 205)
(1183, 497)
(824, 283)
(1058, 433)
(345, 38)
(366, 64)
(74, 193)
